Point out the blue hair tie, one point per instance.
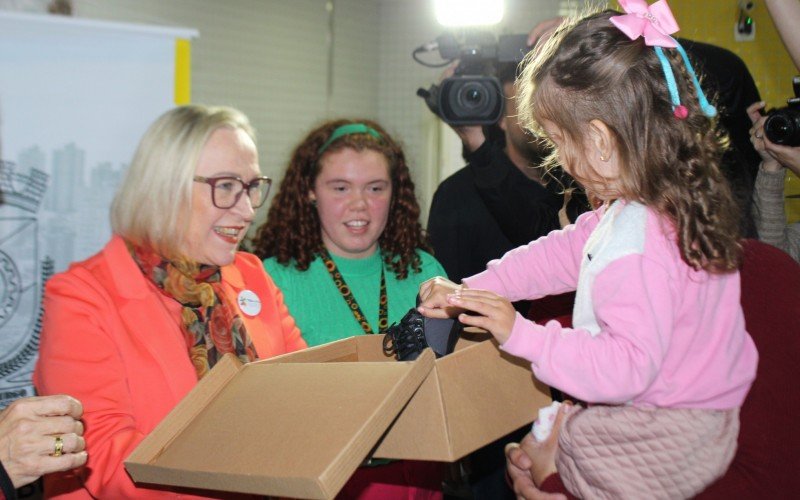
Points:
(678, 109)
(708, 110)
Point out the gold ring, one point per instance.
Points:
(59, 447)
(758, 136)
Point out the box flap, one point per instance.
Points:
(299, 429)
(486, 403)
(185, 411)
(472, 397)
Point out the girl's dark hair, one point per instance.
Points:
(293, 233)
(670, 165)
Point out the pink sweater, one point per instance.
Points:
(648, 329)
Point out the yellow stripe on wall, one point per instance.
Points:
(183, 71)
(713, 21)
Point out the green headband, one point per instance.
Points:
(348, 129)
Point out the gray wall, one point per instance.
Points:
(270, 59)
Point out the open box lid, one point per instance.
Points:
(295, 431)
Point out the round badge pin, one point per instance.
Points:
(249, 303)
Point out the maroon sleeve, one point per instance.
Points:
(553, 484)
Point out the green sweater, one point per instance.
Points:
(320, 310)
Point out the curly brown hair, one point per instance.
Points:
(669, 164)
(292, 232)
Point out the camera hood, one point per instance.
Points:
(466, 100)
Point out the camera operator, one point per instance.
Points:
(501, 199)
(770, 213)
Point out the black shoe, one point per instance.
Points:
(415, 332)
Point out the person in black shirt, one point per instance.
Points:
(501, 199)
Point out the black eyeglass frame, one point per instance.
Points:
(246, 186)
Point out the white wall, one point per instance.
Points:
(406, 24)
(270, 59)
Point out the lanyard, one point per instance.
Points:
(383, 300)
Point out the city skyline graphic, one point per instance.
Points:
(75, 97)
(56, 191)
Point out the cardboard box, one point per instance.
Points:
(298, 425)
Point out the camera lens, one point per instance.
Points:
(472, 96)
(783, 127)
(471, 99)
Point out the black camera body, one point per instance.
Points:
(783, 124)
(473, 95)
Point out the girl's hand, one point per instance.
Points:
(495, 313)
(433, 298)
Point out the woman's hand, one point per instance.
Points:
(433, 298)
(769, 162)
(495, 313)
(774, 156)
(518, 468)
(40, 435)
(530, 462)
(542, 454)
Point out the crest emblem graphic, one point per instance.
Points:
(22, 278)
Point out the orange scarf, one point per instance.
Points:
(210, 322)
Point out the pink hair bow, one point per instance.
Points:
(654, 22)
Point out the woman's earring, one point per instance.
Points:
(603, 158)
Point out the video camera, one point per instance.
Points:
(473, 95)
(783, 124)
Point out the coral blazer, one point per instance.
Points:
(111, 339)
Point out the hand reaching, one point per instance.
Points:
(495, 313)
(433, 295)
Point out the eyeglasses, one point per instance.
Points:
(226, 191)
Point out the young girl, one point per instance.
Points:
(659, 336)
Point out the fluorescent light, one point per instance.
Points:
(468, 12)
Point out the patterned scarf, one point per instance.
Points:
(209, 320)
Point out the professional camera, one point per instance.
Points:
(783, 125)
(473, 95)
